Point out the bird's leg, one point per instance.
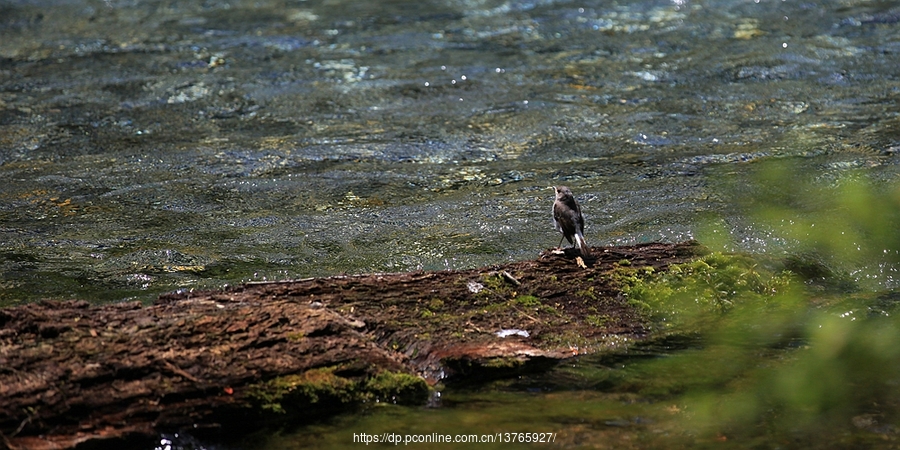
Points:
(559, 250)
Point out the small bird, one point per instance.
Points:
(568, 220)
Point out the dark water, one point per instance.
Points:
(151, 146)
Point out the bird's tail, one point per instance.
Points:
(579, 239)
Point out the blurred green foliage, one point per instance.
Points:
(851, 218)
(801, 350)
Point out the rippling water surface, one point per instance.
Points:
(150, 146)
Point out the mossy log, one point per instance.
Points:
(71, 371)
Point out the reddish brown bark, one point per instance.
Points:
(71, 371)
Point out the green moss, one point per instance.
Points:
(528, 301)
(493, 308)
(597, 320)
(396, 387)
(432, 308)
(493, 283)
(624, 276)
(587, 293)
(324, 386)
(509, 362)
(711, 284)
(295, 336)
(435, 304)
(495, 288)
(305, 388)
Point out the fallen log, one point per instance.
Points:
(71, 371)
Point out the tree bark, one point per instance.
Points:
(72, 371)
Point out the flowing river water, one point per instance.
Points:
(149, 146)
